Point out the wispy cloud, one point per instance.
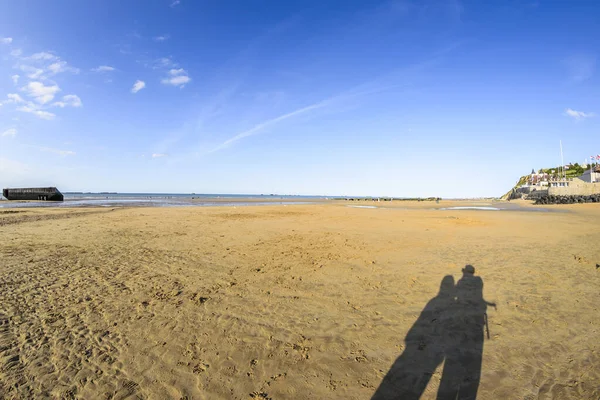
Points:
(42, 65)
(135, 34)
(32, 109)
(61, 66)
(28, 106)
(177, 77)
(158, 155)
(162, 38)
(14, 98)
(124, 48)
(38, 89)
(393, 80)
(176, 72)
(257, 128)
(103, 68)
(272, 98)
(32, 72)
(15, 171)
(365, 89)
(69, 100)
(578, 115)
(137, 86)
(12, 132)
(217, 104)
(580, 67)
(43, 55)
(164, 62)
(58, 151)
(175, 3)
(6, 40)
(41, 93)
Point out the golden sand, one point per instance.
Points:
(288, 302)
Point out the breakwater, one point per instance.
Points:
(40, 193)
(568, 199)
(388, 198)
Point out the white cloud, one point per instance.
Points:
(44, 55)
(69, 100)
(137, 86)
(14, 98)
(16, 52)
(103, 68)
(15, 79)
(158, 155)
(175, 3)
(40, 66)
(37, 74)
(32, 72)
(57, 67)
(161, 38)
(32, 109)
(73, 100)
(61, 66)
(41, 93)
(178, 77)
(164, 62)
(10, 132)
(578, 115)
(6, 40)
(58, 151)
(177, 80)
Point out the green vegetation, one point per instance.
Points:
(573, 171)
(522, 180)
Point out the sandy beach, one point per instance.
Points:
(317, 301)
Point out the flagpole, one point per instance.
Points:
(562, 163)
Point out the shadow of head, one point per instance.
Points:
(447, 286)
(468, 270)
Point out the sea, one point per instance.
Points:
(164, 200)
(104, 199)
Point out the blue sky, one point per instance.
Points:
(401, 98)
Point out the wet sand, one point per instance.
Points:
(137, 200)
(299, 301)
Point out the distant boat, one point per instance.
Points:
(44, 194)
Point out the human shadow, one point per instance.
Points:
(450, 329)
(424, 349)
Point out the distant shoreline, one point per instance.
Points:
(207, 202)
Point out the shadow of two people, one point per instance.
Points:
(450, 329)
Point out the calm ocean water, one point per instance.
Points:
(208, 200)
(163, 200)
